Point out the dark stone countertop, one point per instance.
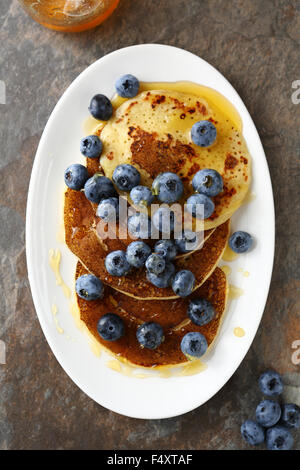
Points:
(256, 45)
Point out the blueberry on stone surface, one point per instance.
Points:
(166, 248)
(76, 176)
(101, 107)
(108, 209)
(116, 263)
(127, 86)
(201, 311)
(200, 206)
(163, 279)
(252, 432)
(150, 335)
(279, 438)
(291, 415)
(183, 283)
(126, 177)
(208, 182)
(139, 225)
(141, 196)
(168, 187)
(270, 383)
(99, 187)
(111, 327)
(203, 133)
(89, 287)
(240, 242)
(91, 146)
(137, 252)
(268, 413)
(193, 344)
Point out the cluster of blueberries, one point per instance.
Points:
(273, 422)
(150, 334)
(168, 188)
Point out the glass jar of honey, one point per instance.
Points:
(69, 15)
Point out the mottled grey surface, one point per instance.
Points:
(255, 44)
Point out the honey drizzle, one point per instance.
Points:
(54, 311)
(93, 126)
(235, 292)
(54, 262)
(229, 255)
(226, 270)
(239, 332)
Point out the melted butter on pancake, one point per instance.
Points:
(152, 132)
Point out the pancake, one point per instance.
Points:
(170, 314)
(152, 132)
(81, 238)
(111, 244)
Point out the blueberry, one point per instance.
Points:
(252, 432)
(99, 187)
(155, 264)
(164, 219)
(126, 177)
(163, 279)
(116, 263)
(101, 107)
(141, 196)
(240, 242)
(91, 146)
(183, 283)
(208, 182)
(150, 335)
(137, 253)
(110, 327)
(270, 383)
(187, 241)
(203, 133)
(76, 176)
(127, 86)
(89, 287)
(166, 248)
(139, 225)
(201, 311)
(291, 415)
(193, 344)
(279, 438)
(200, 206)
(268, 413)
(108, 209)
(167, 187)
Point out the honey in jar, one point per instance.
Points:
(69, 15)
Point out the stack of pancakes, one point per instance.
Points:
(152, 132)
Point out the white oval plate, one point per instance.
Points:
(153, 397)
